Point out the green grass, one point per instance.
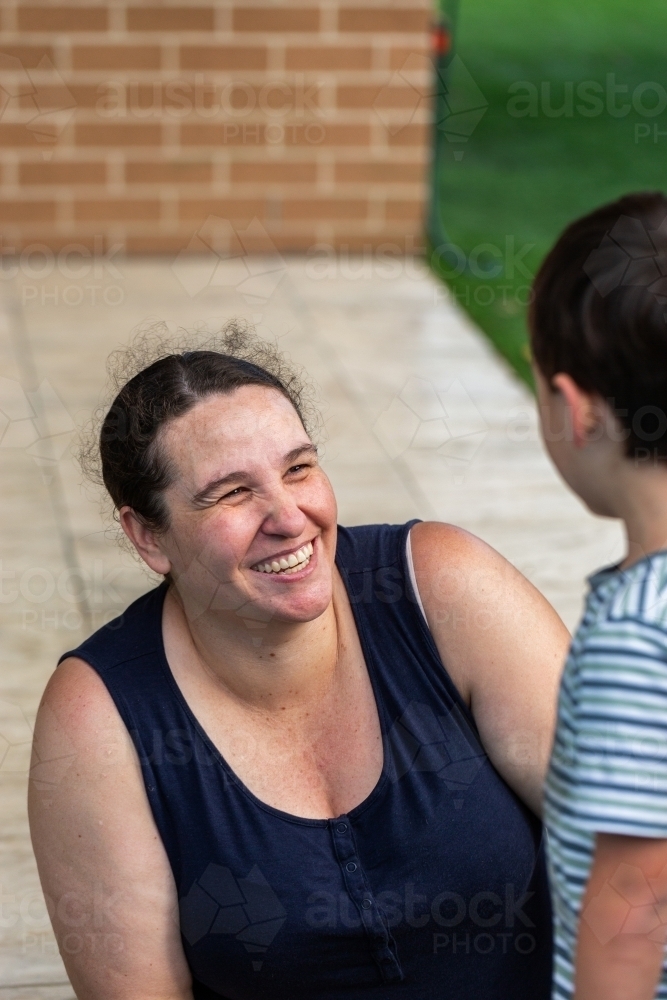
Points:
(527, 177)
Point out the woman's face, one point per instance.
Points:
(252, 529)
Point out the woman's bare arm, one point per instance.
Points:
(502, 643)
(105, 874)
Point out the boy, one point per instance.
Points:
(599, 341)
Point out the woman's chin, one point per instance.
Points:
(298, 607)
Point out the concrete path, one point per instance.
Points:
(421, 419)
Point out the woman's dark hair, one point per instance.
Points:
(158, 379)
(598, 313)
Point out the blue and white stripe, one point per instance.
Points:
(608, 770)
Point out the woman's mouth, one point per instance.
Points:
(292, 563)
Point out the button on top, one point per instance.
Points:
(351, 867)
(366, 903)
(341, 828)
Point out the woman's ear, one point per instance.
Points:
(585, 410)
(145, 541)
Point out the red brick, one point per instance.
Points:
(254, 134)
(379, 173)
(382, 96)
(121, 208)
(62, 173)
(200, 57)
(328, 57)
(384, 19)
(208, 135)
(411, 135)
(87, 96)
(411, 210)
(229, 134)
(357, 96)
(168, 173)
(12, 134)
(27, 211)
(399, 55)
(170, 18)
(326, 208)
(273, 173)
(28, 55)
(283, 19)
(116, 57)
(345, 135)
(149, 100)
(118, 135)
(229, 208)
(66, 19)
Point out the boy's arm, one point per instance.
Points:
(624, 920)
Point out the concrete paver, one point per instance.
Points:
(421, 419)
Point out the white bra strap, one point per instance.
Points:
(413, 578)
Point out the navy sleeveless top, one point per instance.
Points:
(434, 886)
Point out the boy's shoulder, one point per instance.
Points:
(642, 593)
(634, 596)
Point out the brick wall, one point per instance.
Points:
(164, 127)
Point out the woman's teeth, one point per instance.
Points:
(288, 564)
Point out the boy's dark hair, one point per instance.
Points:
(598, 314)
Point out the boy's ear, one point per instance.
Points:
(584, 409)
(144, 540)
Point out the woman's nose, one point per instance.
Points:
(284, 517)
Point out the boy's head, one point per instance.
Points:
(598, 332)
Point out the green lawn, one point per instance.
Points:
(522, 179)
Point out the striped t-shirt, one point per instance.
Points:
(608, 771)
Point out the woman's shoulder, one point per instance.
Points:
(440, 549)
(455, 568)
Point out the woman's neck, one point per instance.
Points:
(269, 666)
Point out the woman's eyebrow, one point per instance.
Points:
(234, 477)
(301, 450)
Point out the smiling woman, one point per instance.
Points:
(335, 738)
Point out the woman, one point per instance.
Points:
(338, 738)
